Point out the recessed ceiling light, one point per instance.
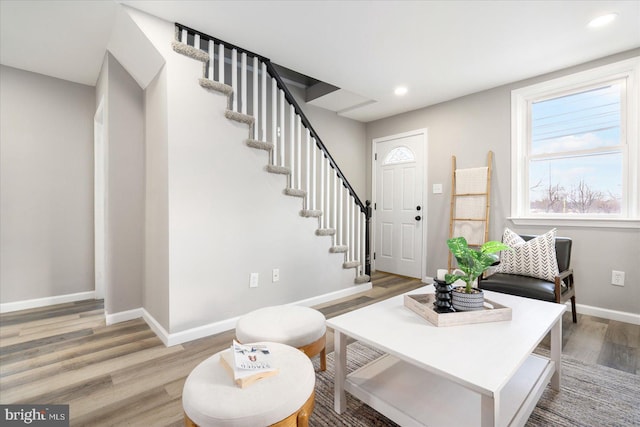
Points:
(400, 90)
(602, 20)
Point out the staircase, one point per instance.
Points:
(258, 98)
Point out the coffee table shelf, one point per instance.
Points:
(411, 396)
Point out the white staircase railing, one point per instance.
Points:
(259, 96)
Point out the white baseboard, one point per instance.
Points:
(123, 316)
(8, 307)
(604, 313)
(199, 332)
(171, 339)
(156, 327)
(321, 299)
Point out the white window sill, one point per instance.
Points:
(578, 222)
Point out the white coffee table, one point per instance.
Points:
(481, 374)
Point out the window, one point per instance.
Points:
(400, 154)
(575, 146)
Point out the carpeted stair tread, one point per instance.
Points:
(326, 232)
(362, 279)
(295, 192)
(338, 249)
(260, 145)
(239, 117)
(311, 213)
(190, 51)
(282, 170)
(216, 86)
(351, 264)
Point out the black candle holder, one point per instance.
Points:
(442, 304)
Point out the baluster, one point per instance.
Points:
(281, 131)
(274, 121)
(334, 213)
(314, 163)
(321, 190)
(339, 225)
(184, 36)
(327, 177)
(363, 246)
(299, 152)
(352, 203)
(211, 60)
(263, 122)
(221, 63)
(356, 240)
(256, 92)
(196, 41)
(243, 84)
(349, 227)
(345, 228)
(330, 190)
(292, 139)
(234, 78)
(307, 181)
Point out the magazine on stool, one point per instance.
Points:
(248, 363)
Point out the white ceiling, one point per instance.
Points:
(440, 50)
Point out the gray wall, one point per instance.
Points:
(344, 138)
(225, 217)
(124, 120)
(126, 197)
(468, 128)
(156, 288)
(46, 186)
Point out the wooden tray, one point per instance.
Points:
(422, 304)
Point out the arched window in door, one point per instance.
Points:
(399, 154)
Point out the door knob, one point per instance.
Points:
(418, 218)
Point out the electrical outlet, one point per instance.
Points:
(275, 275)
(617, 278)
(253, 280)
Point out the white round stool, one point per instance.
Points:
(301, 327)
(211, 397)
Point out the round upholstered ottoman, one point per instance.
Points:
(211, 397)
(300, 327)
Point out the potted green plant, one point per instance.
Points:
(471, 264)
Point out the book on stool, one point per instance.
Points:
(248, 363)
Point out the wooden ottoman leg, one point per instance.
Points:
(317, 347)
(307, 409)
(300, 418)
(323, 359)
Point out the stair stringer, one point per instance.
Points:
(226, 90)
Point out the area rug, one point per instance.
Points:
(591, 395)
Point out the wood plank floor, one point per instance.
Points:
(123, 375)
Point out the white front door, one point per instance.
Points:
(399, 210)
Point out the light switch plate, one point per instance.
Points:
(437, 188)
(253, 280)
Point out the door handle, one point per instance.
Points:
(418, 218)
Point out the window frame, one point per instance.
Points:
(521, 101)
